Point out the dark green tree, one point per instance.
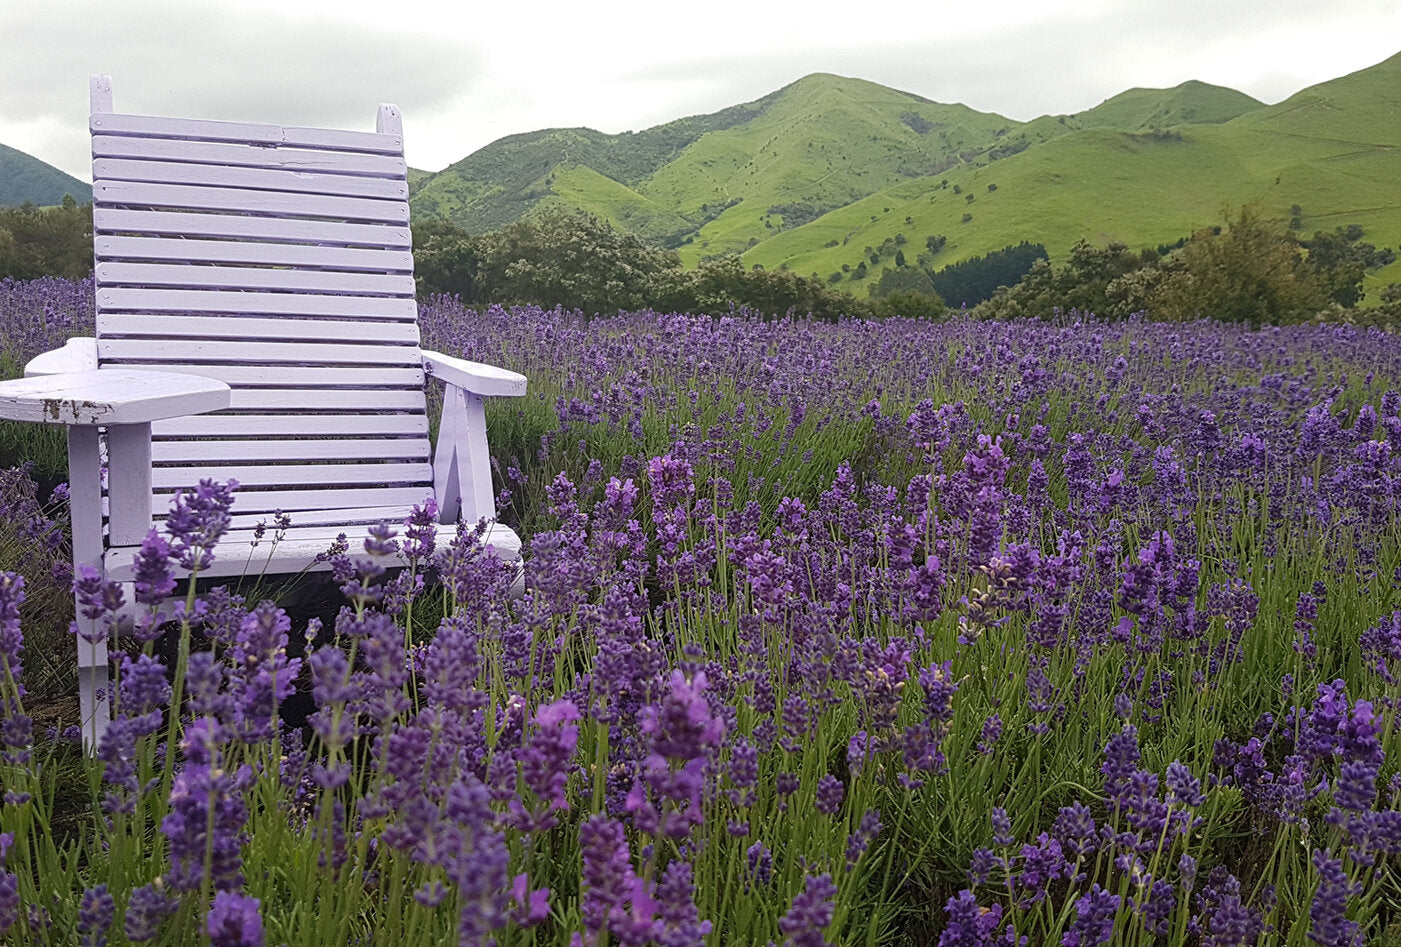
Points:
(447, 260)
(1251, 271)
(572, 259)
(975, 279)
(46, 241)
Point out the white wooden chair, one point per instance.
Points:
(264, 274)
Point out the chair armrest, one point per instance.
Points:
(110, 396)
(474, 377)
(77, 355)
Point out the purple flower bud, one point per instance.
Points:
(1094, 919)
(234, 921)
(1329, 924)
(95, 914)
(810, 913)
(829, 794)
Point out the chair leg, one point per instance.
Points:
(94, 707)
(85, 511)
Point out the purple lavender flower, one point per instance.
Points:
(146, 910)
(207, 813)
(546, 760)
(154, 576)
(263, 676)
(1120, 763)
(1222, 917)
(970, 924)
(810, 913)
(197, 520)
(760, 861)
(11, 638)
(95, 914)
(1002, 828)
(234, 921)
(991, 733)
(1075, 827)
(9, 891)
(681, 733)
(1183, 788)
(607, 879)
(678, 920)
(829, 794)
(1094, 919)
(1329, 924)
(860, 840)
(1381, 647)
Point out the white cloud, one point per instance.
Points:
(465, 74)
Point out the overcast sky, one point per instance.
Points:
(466, 72)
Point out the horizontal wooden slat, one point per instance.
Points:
(117, 220)
(249, 156)
(243, 200)
(292, 475)
(149, 126)
(263, 179)
(255, 500)
(385, 448)
(230, 251)
(238, 328)
(297, 353)
(247, 277)
(312, 399)
(318, 523)
(293, 376)
(197, 300)
(262, 425)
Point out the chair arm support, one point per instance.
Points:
(474, 377)
(77, 355)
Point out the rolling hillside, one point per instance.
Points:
(812, 175)
(26, 179)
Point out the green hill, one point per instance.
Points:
(829, 171)
(1190, 103)
(1333, 150)
(25, 179)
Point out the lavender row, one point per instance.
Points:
(1043, 632)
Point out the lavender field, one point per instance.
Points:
(1059, 632)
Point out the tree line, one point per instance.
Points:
(576, 260)
(1247, 269)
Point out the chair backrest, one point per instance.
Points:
(278, 260)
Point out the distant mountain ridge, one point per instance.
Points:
(817, 173)
(26, 179)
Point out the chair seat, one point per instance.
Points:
(299, 548)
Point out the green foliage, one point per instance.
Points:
(576, 260)
(447, 260)
(797, 214)
(717, 285)
(911, 305)
(573, 260)
(1252, 271)
(1248, 270)
(46, 241)
(1087, 281)
(974, 280)
(1341, 259)
(903, 279)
